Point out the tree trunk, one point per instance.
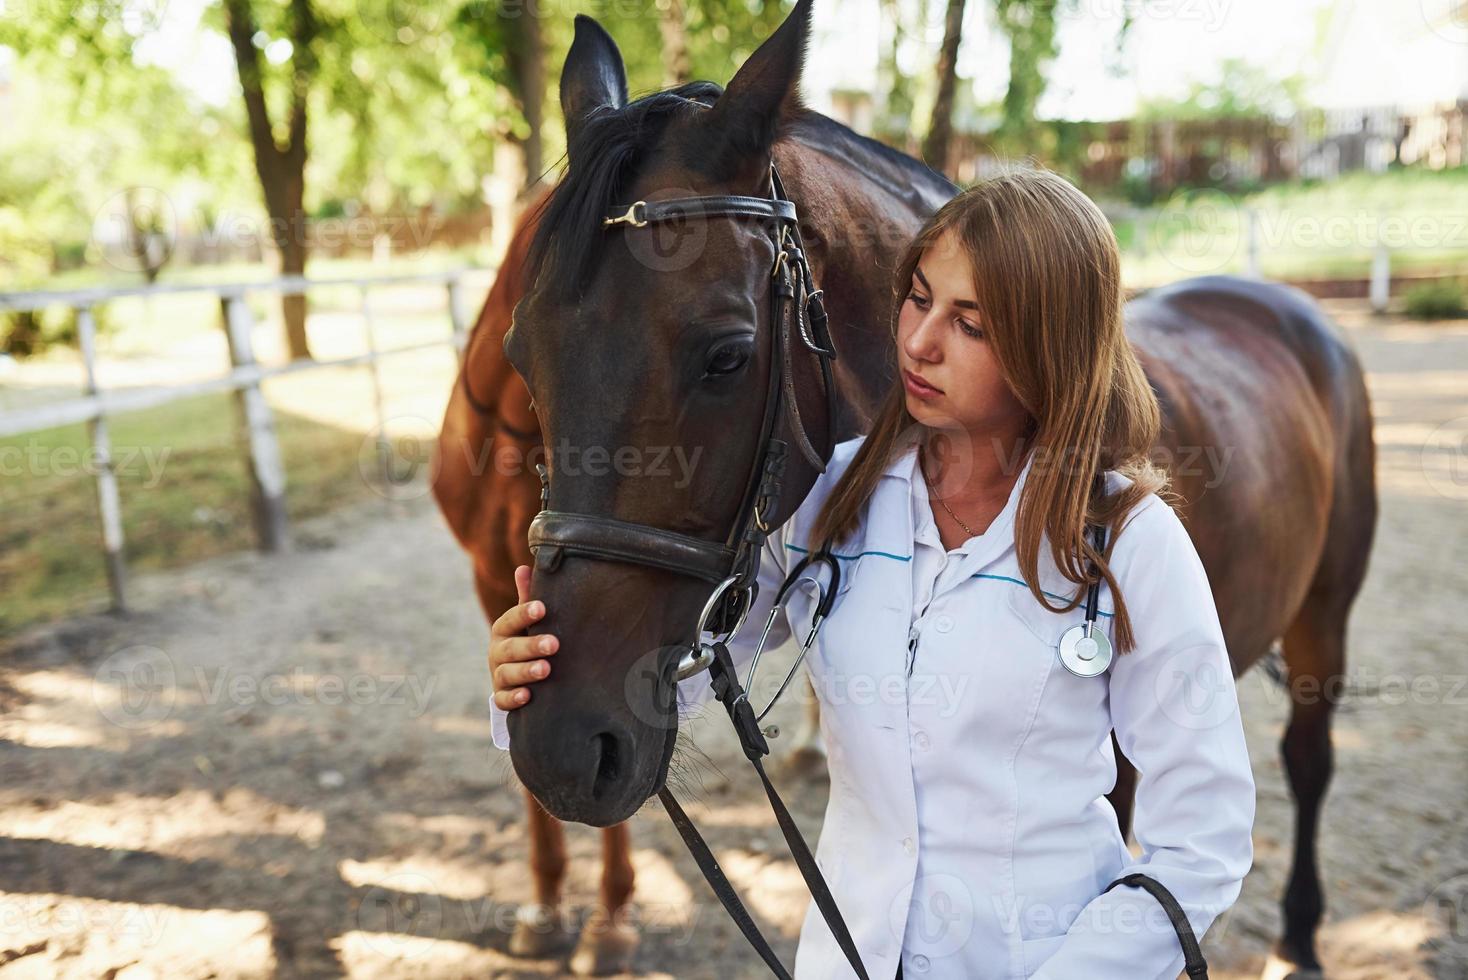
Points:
(895, 122)
(940, 129)
(672, 21)
(527, 63)
(281, 169)
(293, 251)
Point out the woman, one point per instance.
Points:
(967, 833)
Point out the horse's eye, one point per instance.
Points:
(726, 360)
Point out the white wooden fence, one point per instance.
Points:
(262, 451)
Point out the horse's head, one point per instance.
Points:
(648, 351)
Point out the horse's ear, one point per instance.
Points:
(593, 75)
(765, 91)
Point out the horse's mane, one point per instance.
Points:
(605, 151)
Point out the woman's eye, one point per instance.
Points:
(970, 329)
(918, 301)
(726, 360)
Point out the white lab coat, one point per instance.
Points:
(966, 829)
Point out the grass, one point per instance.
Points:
(184, 491)
(181, 472)
(1306, 229)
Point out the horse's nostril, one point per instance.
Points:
(608, 764)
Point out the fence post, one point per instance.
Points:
(384, 447)
(1252, 242)
(1381, 278)
(267, 472)
(457, 318)
(109, 503)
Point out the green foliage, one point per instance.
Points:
(1029, 26)
(1241, 89)
(1436, 301)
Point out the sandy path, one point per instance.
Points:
(282, 767)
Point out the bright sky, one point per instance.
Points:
(1354, 52)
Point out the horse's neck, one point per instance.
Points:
(868, 203)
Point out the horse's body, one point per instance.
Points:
(1267, 432)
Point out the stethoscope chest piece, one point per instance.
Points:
(1082, 654)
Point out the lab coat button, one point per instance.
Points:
(943, 624)
(907, 845)
(920, 740)
(920, 962)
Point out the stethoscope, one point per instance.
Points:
(808, 570)
(1084, 650)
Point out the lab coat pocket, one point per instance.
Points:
(1037, 951)
(1047, 626)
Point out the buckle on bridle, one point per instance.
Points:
(630, 217)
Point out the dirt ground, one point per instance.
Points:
(281, 766)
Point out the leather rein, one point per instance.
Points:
(731, 566)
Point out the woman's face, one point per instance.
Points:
(941, 340)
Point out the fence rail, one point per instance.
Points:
(262, 456)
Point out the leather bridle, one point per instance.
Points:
(731, 565)
(796, 307)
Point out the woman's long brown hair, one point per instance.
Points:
(1047, 278)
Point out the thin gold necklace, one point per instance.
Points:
(966, 529)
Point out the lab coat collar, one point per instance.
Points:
(902, 481)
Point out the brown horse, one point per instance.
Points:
(628, 344)
(485, 484)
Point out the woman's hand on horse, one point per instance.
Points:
(514, 658)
